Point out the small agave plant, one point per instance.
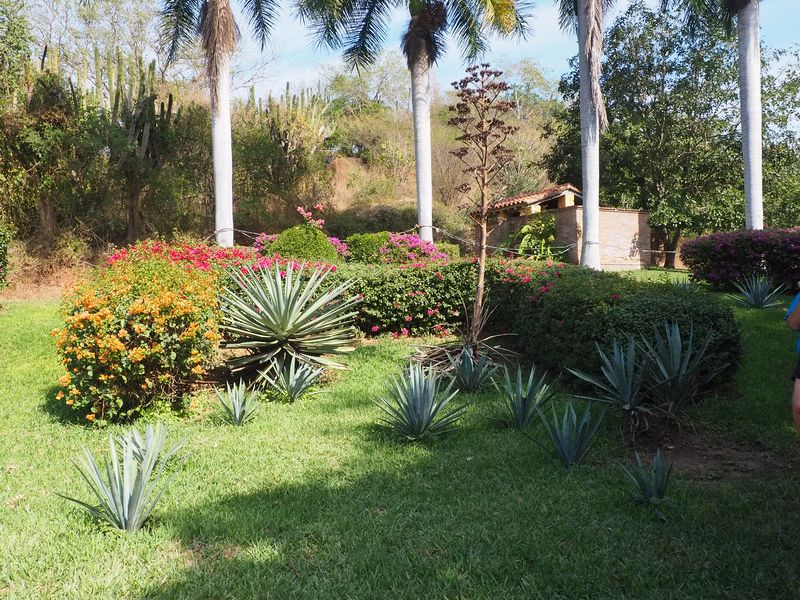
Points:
(470, 374)
(756, 290)
(651, 482)
(132, 479)
(572, 437)
(291, 379)
(238, 403)
(416, 404)
(523, 401)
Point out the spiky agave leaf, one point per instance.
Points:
(523, 401)
(238, 403)
(291, 379)
(127, 488)
(571, 437)
(276, 314)
(676, 373)
(651, 483)
(416, 405)
(624, 374)
(756, 290)
(470, 374)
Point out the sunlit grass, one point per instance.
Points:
(314, 500)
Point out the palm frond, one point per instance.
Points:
(262, 16)
(365, 31)
(179, 20)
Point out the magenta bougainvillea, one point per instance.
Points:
(407, 248)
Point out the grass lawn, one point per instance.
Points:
(312, 500)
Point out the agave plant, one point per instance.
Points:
(677, 367)
(651, 483)
(756, 290)
(624, 374)
(279, 314)
(572, 437)
(523, 401)
(416, 405)
(130, 484)
(238, 403)
(470, 374)
(291, 379)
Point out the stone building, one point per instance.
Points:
(625, 238)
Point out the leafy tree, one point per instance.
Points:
(672, 146)
(15, 39)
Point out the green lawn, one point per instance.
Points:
(312, 500)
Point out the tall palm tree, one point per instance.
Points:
(360, 27)
(214, 23)
(586, 18)
(746, 15)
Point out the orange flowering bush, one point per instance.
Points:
(143, 329)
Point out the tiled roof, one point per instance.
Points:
(536, 197)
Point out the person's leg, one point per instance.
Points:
(796, 403)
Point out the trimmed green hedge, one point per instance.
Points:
(366, 247)
(561, 313)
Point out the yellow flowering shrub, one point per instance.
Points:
(137, 331)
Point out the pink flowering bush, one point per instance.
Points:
(407, 248)
(198, 256)
(723, 258)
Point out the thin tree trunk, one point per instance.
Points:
(477, 309)
(421, 107)
(750, 100)
(134, 227)
(590, 152)
(222, 152)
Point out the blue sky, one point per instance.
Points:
(299, 61)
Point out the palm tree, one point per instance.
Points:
(586, 18)
(360, 26)
(746, 15)
(213, 21)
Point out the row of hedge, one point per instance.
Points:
(146, 327)
(722, 258)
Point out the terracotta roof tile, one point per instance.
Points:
(534, 197)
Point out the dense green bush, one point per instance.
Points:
(5, 240)
(452, 250)
(411, 300)
(365, 247)
(305, 242)
(560, 313)
(724, 258)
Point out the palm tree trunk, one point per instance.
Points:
(222, 153)
(420, 69)
(590, 150)
(750, 99)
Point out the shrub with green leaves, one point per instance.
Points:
(451, 250)
(651, 482)
(305, 242)
(282, 312)
(238, 403)
(572, 437)
(524, 401)
(291, 379)
(416, 404)
(132, 479)
(5, 241)
(469, 372)
(366, 247)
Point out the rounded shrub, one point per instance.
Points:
(366, 247)
(560, 312)
(140, 330)
(724, 258)
(305, 242)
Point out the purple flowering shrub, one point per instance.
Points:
(722, 258)
(407, 248)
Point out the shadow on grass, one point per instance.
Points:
(58, 411)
